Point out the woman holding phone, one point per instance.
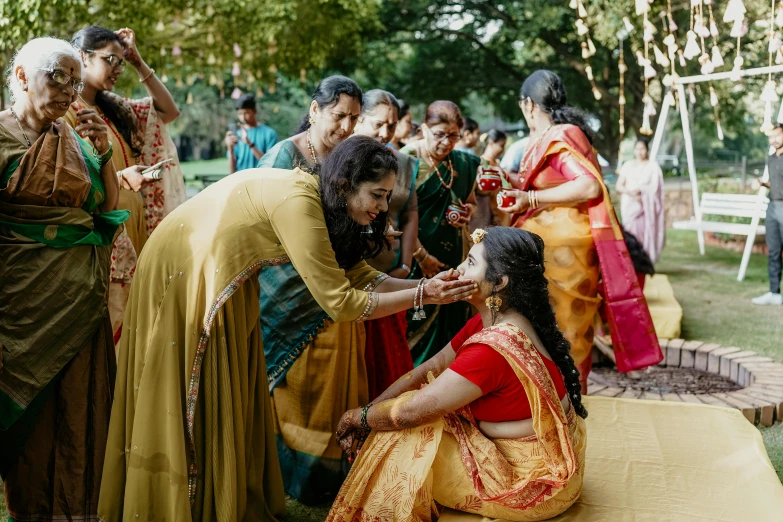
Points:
(140, 140)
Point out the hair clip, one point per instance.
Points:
(478, 235)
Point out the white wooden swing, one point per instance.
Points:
(752, 206)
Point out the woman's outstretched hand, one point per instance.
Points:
(447, 287)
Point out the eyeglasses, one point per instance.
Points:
(115, 62)
(440, 136)
(63, 79)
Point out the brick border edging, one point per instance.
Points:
(760, 400)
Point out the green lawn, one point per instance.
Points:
(191, 169)
(716, 308)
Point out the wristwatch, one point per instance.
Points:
(405, 267)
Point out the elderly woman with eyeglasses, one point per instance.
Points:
(140, 139)
(58, 195)
(445, 188)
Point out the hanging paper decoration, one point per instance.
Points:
(210, 11)
(210, 38)
(302, 75)
(213, 80)
(163, 51)
(237, 50)
(622, 68)
(591, 46)
(250, 79)
(164, 78)
(649, 31)
(179, 84)
(236, 93)
(160, 26)
(236, 70)
(779, 16)
(596, 93)
(769, 94)
(737, 29)
(191, 80)
(660, 58)
(589, 72)
(642, 6)
(716, 58)
(189, 101)
(779, 57)
(176, 50)
(692, 48)
(211, 60)
(259, 92)
(628, 25)
(580, 7)
(585, 51)
(706, 64)
(581, 28)
(272, 88)
(691, 95)
(735, 10)
(572, 4)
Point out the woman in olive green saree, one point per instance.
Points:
(57, 225)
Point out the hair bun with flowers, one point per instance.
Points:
(478, 235)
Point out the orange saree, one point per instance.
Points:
(584, 243)
(411, 474)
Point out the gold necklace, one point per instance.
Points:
(449, 167)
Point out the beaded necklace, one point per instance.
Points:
(311, 149)
(449, 167)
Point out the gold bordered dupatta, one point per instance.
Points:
(550, 423)
(408, 474)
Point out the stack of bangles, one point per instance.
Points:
(363, 420)
(418, 301)
(532, 198)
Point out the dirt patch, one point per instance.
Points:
(665, 380)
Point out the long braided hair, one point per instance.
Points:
(519, 255)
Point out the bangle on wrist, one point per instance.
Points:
(406, 268)
(144, 80)
(103, 157)
(363, 420)
(418, 298)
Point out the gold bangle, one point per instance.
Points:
(416, 253)
(152, 71)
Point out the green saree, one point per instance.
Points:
(443, 241)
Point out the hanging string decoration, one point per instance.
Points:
(587, 45)
(769, 95)
(714, 103)
(735, 15)
(622, 68)
(643, 59)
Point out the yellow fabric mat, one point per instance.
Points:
(651, 461)
(666, 312)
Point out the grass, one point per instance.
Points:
(191, 169)
(716, 308)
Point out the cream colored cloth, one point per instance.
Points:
(666, 312)
(651, 461)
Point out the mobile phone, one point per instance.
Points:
(156, 166)
(232, 128)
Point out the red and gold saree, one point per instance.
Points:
(411, 474)
(584, 242)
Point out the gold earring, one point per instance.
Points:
(311, 120)
(494, 303)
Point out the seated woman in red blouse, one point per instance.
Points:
(493, 424)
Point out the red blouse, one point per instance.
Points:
(504, 396)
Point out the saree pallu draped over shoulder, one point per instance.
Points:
(57, 363)
(569, 256)
(408, 474)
